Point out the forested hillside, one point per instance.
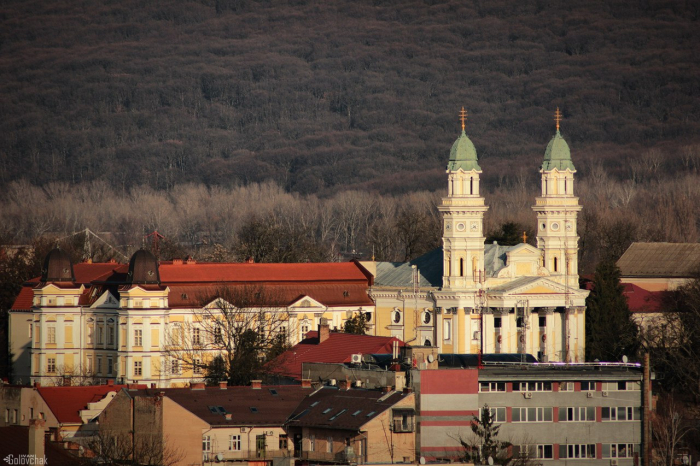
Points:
(325, 96)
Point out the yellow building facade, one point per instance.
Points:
(472, 297)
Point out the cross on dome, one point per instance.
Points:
(463, 117)
(557, 117)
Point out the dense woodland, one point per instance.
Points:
(326, 96)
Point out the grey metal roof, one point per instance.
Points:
(400, 274)
(660, 260)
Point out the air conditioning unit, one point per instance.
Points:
(589, 395)
(356, 358)
(528, 395)
(244, 430)
(613, 462)
(605, 393)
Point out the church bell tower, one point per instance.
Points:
(463, 217)
(557, 209)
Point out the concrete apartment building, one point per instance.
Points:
(553, 413)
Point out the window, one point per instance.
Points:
(329, 445)
(197, 366)
(175, 366)
(138, 368)
(545, 452)
(110, 366)
(566, 386)
(30, 331)
(620, 450)
(90, 331)
(234, 442)
(110, 333)
(532, 386)
(447, 330)
(621, 413)
(498, 414)
(403, 420)
(532, 414)
(100, 334)
(492, 386)
(7, 415)
(583, 413)
(51, 335)
(312, 443)
(99, 365)
(138, 337)
(196, 337)
(621, 386)
(587, 386)
(581, 451)
(51, 369)
(217, 335)
(206, 443)
(15, 416)
(284, 442)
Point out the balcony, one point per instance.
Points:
(402, 427)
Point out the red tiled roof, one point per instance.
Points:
(251, 273)
(272, 404)
(24, 299)
(66, 402)
(338, 348)
(330, 294)
(640, 300)
(14, 441)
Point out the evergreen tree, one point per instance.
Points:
(357, 325)
(485, 443)
(610, 330)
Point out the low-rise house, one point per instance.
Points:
(343, 425)
(326, 346)
(66, 411)
(207, 424)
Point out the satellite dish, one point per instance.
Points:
(490, 460)
(625, 359)
(219, 457)
(422, 460)
(431, 358)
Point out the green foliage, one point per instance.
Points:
(485, 442)
(358, 325)
(610, 330)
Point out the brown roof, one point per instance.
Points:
(267, 406)
(672, 260)
(67, 402)
(334, 408)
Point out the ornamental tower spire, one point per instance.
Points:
(463, 216)
(557, 209)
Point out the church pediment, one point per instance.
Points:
(306, 302)
(533, 286)
(106, 301)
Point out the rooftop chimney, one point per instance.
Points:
(249, 260)
(177, 261)
(228, 416)
(324, 330)
(223, 384)
(256, 384)
(344, 384)
(305, 383)
(110, 382)
(37, 427)
(153, 385)
(37, 385)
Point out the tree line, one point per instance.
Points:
(320, 97)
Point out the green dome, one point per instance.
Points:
(463, 155)
(557, 155)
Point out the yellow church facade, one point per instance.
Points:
(469, 297)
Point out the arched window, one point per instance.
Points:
(461, 266)
(471, 185)
(555, 264)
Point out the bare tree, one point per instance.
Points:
(670, 430)
(123, 448)
(235, 332)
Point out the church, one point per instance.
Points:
(472, 298)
